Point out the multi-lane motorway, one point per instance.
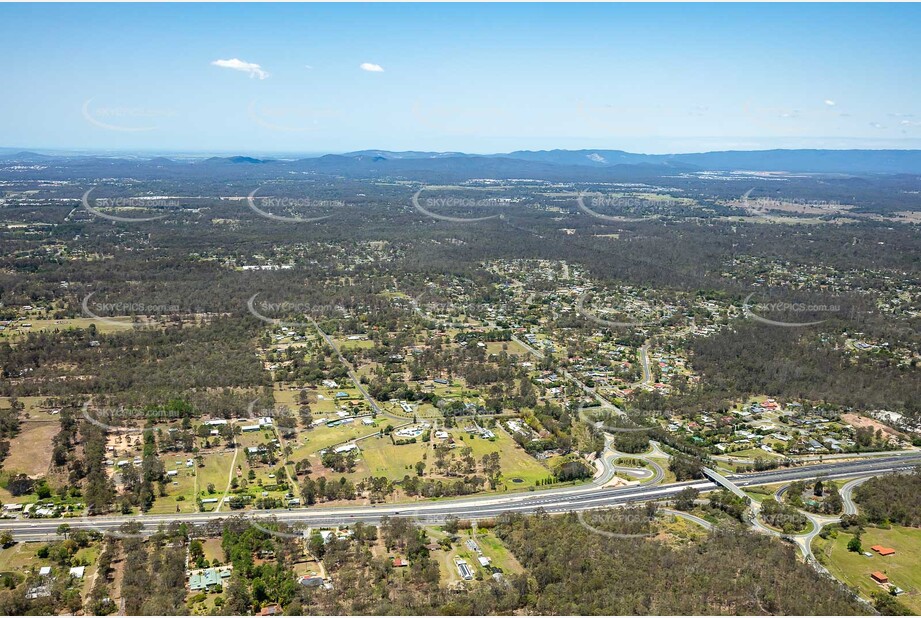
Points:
(480, 507)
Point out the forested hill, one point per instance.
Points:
(580, 572)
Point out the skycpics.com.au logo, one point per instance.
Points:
(640, 523)
(616, 423)
(610, 201)
(289, 204)
(590, 315)
(122, 419)
(429, 306)
(749, 309)
(772, 209)
(106, 312)
(264, 310)
(457, 202)
(121, 203)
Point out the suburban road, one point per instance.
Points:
(644, 361)
(586, 389)
(560, 500)
(351, 372)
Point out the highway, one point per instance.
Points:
(559, 500)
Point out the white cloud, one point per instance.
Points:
(236, 64)
(877, 125)
(373, 68)
(829, 103)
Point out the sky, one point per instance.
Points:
(480, 78)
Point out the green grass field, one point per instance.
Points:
(759, 494)
(501, 556)
(21, 556)
(180, 486)
(753, 453)
(382, 458)
(310, 442)
(216, 470)
(515, 463)
(109, 325)
(345, 344)
(329, 404)
(491, 547)
(32, 406)
(510, 347)
(903, 568)
(286, 397)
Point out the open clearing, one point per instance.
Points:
(854, 568)
(30, 450)
(384, 459)
(514, 461)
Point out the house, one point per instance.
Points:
(464, 569)
(45, 571)
(77, 571)
(207, 579)
(310, 581)
(883, 551)
(879, 577)
(409, 432)
(400, 562)
(39, 592)
(270, 610)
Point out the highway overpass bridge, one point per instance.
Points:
(724, 482)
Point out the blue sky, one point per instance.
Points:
(473, 77)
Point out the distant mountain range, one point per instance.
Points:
(814, 161)
(540, 163)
